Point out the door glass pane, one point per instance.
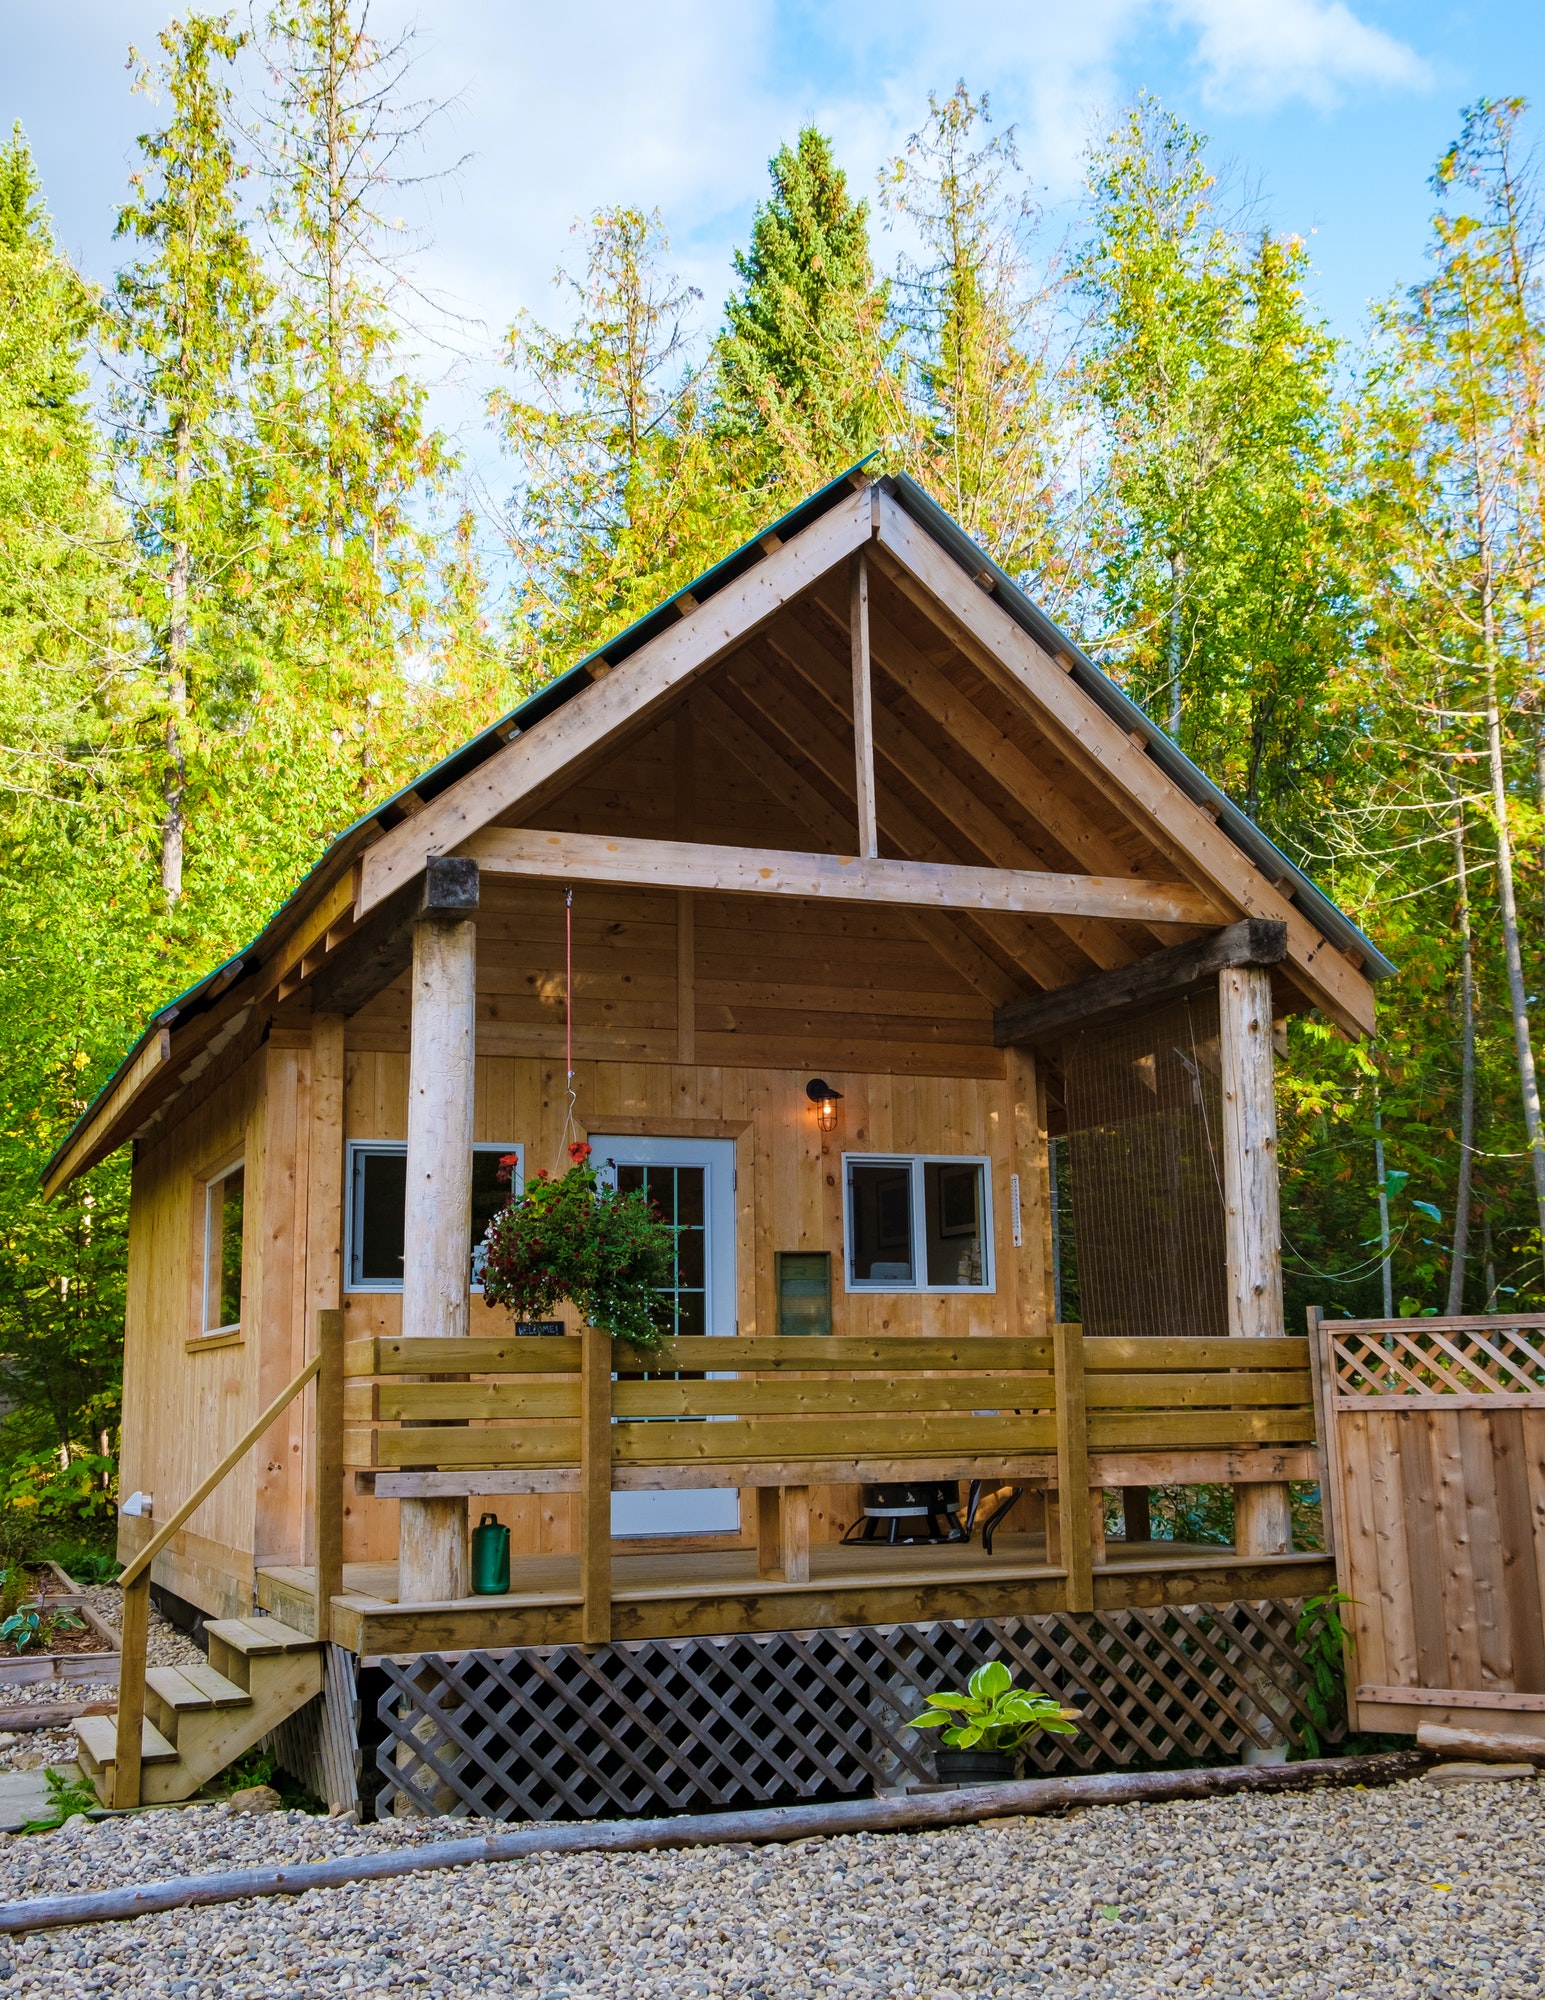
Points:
(952, 1204)
(378, 1217)
(880, 1223)
(222, 1271)
(490, 1194)
(678, 1195)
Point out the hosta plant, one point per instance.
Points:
(578, 1239)
(993, 1714)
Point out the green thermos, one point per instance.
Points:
(490, 1557)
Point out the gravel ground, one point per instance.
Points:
(1401, 1892)
(25, 1750)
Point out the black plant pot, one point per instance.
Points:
(972, 1767)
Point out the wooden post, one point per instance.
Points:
(769, 1533)
(1252, 1219)
(1073, 1524)
(863, 707)
(1030, 1163)
(437, 1218)
(595, 1488)
(1135, 1515)
(327, 1457)
(795, 1531)
(131, 1691)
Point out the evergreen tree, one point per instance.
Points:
(623, 492)
(352, 465)
(58, 532)
(806, 361)
(994, 440)
(189, 315)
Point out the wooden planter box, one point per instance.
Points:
(26, 1669)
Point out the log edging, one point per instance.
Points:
(975, 1803)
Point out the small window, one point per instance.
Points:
(378, 1187)
(224, 1202)
(918, 1225)
(804, 1285)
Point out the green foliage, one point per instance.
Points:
(1323, 1646)
(67, 1797)
(577, 1239)
(993, 1714)
(806, 361)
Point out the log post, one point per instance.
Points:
(1252, 1218)
(595, 1488)
(437, 1214)
(1074, 1526)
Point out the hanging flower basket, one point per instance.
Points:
(573, 1238)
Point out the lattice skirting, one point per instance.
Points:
(703, 1725)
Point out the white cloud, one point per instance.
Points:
(1259, 54)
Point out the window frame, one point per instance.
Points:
(358, 1149)
(916, 1163)
(211, 1266)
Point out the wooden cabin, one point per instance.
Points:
(817, 903)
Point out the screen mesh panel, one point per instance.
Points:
(1145, 1180)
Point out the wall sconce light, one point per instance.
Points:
(825, 1100)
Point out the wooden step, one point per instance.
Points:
(194, 1687)
(98, 1739)
(257, 1636)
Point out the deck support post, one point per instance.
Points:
(1252, 1216)
(595, 1488)
(1075, 1516)
(437, 1215)
(327, 1462)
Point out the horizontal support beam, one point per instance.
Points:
(1106, 1468)
(1160, 976)
(915, 885)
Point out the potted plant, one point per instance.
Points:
(987, 1727)
(573, 1237)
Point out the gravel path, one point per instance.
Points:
(1380, 1895)
(29, 1749)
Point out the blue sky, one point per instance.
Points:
(1336, 109)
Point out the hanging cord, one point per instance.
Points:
(570, 1123)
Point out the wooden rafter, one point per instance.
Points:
(768, 695)
(541, 855)
(585, 728)
(945, 792)
(751, 749)
(1121, 768)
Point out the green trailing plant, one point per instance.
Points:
(67, 1796)
(1322, 1645)
(993, 1714)
(575, 1238)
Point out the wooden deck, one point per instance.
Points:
(692, 1593)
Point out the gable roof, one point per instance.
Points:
(683, 606)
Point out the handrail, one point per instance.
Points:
(135, 1584)
(231, 1460)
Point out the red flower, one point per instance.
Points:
(579, 1150)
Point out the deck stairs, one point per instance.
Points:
(199, 1719)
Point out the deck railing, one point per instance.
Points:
(784, 1414)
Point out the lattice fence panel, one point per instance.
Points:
(1422, 1361)
(704, 1725)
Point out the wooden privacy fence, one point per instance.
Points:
(1435, 1435)
(784, 1414)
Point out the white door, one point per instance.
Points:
(692, 1182)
